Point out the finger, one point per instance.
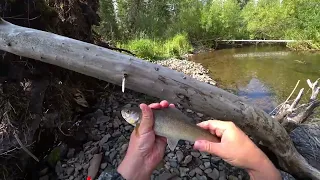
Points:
(155, 106)
(147, 120)
(209, 147)
(172, 106)
(164, 104)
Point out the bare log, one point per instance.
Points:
(157, 81)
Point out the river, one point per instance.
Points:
(264, 75)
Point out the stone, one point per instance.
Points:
(170, 155)
(70, 170)
(207, 171)
(78, 166)
(194, 178)
(179, 156)
(198, 171)
(202, 167)
(98, 113)
(116, 133)
(71, 177)
(58, 168)
(173, 164)
(81, 157)
(187, 159)
(192, 172)
(85, 166)
(70, 153)
(189, 111)
(94, 150)
(207, 164)
(167, 165)
(200, 114)
(64, 165)
(175, 171)
(232, 177)
(165, 176)
(104, 139)
(103, 119)
(201, 177)
(215, 159)
(128, 127)
(204, 155)
(112, 155)
(214, 174)
(183, 171)
(76, 173)
(43, 171)
(195, 154)
(124, 148)
(45, 177)
(103, 166)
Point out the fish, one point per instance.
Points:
(170, 123)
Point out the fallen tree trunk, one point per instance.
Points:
(157, 81)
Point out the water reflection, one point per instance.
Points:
(261, 72)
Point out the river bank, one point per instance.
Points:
(105, 132)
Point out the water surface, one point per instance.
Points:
(265, 75)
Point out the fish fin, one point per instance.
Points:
(172, 143)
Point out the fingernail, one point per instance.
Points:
(198, 145)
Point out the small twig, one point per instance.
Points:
(296, 101)
(24, 148)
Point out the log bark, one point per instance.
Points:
(157, 81)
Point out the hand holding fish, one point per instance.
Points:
(237, 149)
(145, 150)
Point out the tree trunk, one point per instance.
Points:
(157, 81)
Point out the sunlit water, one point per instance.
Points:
(264, 75)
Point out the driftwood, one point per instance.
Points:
(157, 81)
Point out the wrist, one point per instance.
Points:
(262, 168)
(132, 169)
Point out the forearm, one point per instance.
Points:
(263, 169)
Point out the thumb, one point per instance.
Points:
(147, 121)
(209, 147)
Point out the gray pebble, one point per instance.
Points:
(70, 170)
(202, 167)
(195, 154)
(103, 166)
(207, 164)
(201, 177)
(76, 173)
(179, 156)
(183, 171)
(70, 153)
(71, 177)
(187, 159)
(116, 133)
(64, 165)
(165, 176)
(170, 155)
(94, 150)
(104, 139)
(173, 164)
(194, 178)
(207, 171)
(58, 168)
(175, 171)
(232, 177)
(98, 113)
(128, 127)
(198, 171)
(192, 172)
(215, 159)
(112, 155)
(214, 174)
(200, 114)
(189, 111)
(222, 175)
(85, 166)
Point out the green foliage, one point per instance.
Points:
(131, 22)
(154, 50)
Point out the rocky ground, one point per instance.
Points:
(107, 136)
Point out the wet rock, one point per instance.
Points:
(195, 154)
(58, 168)
(201, 177)
(232, 177)
(207, 171)
(200, 114)
(215, 159)
(179, 156)
(70, 153)
(222, 175)
(187, 159)
(189, 111)
(104, 139)
(202, 167)
(165, 176)
(175, 171)
(116, 133)
(103, 166)
(207, 164)
(170, 155)
(112, 155)
(183, 171)
(198, 171)
(70, 170)
(85, 166)
(173, 164)
(128, 127)
(103, 120)
(45, 177)
(71, 177)
(214, 174)
(192, 172)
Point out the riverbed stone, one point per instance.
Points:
(195, 154)
(187, 159)
(183, 171)
(214, 174)
(179, 156)
(70, 170)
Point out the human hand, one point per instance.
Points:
(145, 150)
(237, 149)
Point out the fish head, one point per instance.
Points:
(132, 115)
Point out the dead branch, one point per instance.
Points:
(24, 148)
(157, 81)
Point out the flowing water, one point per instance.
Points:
(265, 75)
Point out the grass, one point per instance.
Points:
(156, 49)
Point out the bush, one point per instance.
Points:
(154, 50)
